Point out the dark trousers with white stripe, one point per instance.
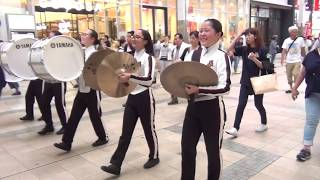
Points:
(83, 101)
(58, 91)
(34, 91)
(140, 105)
(207, 117)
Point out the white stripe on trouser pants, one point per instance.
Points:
(222, 110)
(152, 111)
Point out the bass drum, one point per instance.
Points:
(15, 60)
(58, 59)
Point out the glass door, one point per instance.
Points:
(154, 20)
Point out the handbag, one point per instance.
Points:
(264, 84)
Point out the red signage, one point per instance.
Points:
(307, 29)
(316, 5)
(297, 4)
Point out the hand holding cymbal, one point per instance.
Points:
(191, 89)
(124, 77)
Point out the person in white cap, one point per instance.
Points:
(292, 51)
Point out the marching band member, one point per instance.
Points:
(34, 91)
(86, 98)
(140, 104)
(176, 53)
(58, 91)
(206, 112)
(192, 53)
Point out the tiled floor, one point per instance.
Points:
(270, 155)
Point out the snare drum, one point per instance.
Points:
(15, 58)
(58, 59)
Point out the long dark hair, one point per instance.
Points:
(258, 38)
(149, 46)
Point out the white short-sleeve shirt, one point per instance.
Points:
(294, 53)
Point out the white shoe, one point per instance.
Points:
(262, 128)
(233, 132)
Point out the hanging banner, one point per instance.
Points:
(307, 29)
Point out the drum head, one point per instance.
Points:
(8, 76)
(17, 58)
(63, 58)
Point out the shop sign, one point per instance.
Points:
(307, 29)
(316, 5)
(277, 2)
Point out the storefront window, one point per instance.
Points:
(172, 18)
(125, 23)
(137, 16)
(219, 6)
(111, 19)
(205, 4)
(147, 24)
(14, 4)
(232, 19)
(192, 4)
(155, 2)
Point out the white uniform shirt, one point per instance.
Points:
(183, 46)
(221, 65)
(82, 85)
(294, 53)
(145, 76)
(188, 56)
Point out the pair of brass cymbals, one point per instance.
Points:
(102, 71)
(109, 70)
(176, 76)
(103, 67)
(91, 66)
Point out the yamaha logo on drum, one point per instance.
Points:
(18, 46)
(61, 45)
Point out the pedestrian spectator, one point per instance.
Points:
(308, 43)
(177, 51)
(156, 48)
(254, 55)
(15, 86)
(128, 47)
(292, 52)
(107, 41)
(165, 53)
(236, 59)
(273, 48)
(310, 71)
(122, 42)
(315, 43)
